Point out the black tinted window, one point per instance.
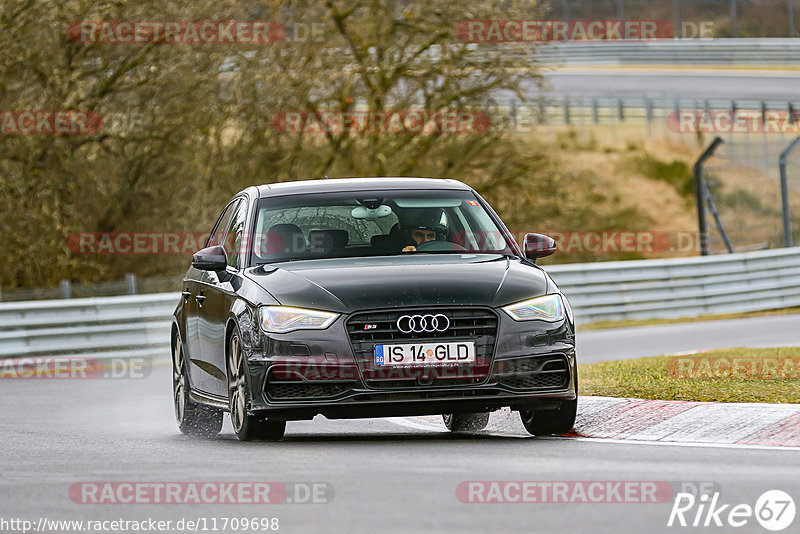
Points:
(360, 224)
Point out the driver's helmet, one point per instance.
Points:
(433, 219)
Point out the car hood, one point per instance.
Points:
(349, 284)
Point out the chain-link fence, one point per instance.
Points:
(661, 116)
(744, 201)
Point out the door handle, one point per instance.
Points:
(200, 299)
(186, 294)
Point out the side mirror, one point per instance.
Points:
(210, 259)
(538, 246)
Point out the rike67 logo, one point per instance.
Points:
(774, 510)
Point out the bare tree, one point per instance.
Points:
(187, 125)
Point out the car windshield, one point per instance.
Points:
(360, 224)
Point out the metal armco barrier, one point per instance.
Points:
(756, 52)
(681, 287)
(139, 325)
(102, 327)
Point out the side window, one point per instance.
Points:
(217, 236)
(233, 241)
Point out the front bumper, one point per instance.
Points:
(407, 404)
(308, 373)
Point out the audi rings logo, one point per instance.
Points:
(423, 323)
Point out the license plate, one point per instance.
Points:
(425, 354)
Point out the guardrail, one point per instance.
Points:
(129, 326)
(754, 52)
(681, 287)
(101, 327)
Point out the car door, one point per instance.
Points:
(218, 290)
(203, 376)
(191, 337)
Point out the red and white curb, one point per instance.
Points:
(660, 422)
(689, 422)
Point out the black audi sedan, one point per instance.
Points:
(369, 297)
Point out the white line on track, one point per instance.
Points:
(686, 352)
(422, 424)
(676, 443)
(418, 424)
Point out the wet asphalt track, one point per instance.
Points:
(753, 332)
(388, 475)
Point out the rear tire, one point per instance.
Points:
(465, 422)
(246, 426)
(193, 419)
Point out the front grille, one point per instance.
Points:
(540, 372)
(303, 390)
(538, 381)
(441, 381)
(522, 365)
(367, 329)
(422, 394)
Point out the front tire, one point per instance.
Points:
(555, 422)
(246, 426)
(465, 422)
(193, 419)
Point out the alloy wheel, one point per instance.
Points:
(236, 385)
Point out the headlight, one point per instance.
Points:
(568, 309)
(546, 308)
(282, 319)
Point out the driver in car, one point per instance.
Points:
(423, 227)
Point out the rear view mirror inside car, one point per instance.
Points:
(362, 212)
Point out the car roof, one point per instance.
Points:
(358, 184)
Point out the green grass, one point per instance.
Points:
(676, 173)
(602, 325)
(649, 378)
